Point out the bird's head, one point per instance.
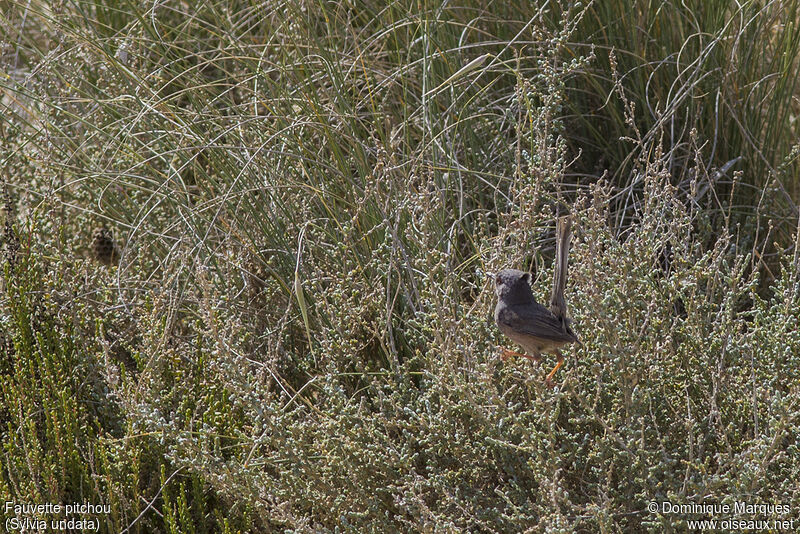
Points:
(513, 286)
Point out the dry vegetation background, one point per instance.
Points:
(245, 244)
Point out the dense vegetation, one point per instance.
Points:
(245, 249)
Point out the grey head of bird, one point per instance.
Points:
(513, 286)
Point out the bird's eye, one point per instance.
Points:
(498, 280)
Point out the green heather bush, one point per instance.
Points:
(307, 198)
(66, 438)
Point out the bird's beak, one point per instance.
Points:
(489, 276)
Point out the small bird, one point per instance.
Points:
(104, 248)
(526, 322)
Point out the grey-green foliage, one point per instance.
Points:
(684, 390)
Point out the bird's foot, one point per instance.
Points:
(549, 378)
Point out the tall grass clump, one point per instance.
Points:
(307, 198)
(724, 70)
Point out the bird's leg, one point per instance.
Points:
(506, 354)
(549, 378)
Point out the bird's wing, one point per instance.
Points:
(535, 320)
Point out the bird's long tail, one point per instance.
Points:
(558, 305)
